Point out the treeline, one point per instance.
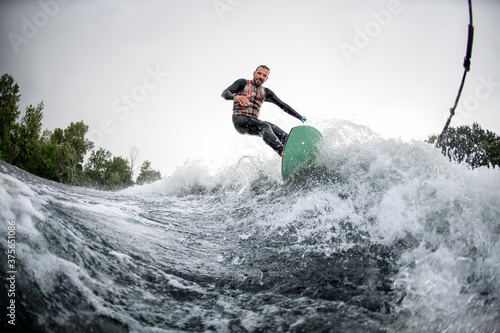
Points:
(59, 155)
(471, 145)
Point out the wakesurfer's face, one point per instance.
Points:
(260, 76)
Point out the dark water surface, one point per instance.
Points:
(382, 236)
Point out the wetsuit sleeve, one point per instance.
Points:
(231, 91)
(271, 97)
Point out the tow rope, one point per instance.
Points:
(467, 63)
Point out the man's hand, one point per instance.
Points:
(243, 100)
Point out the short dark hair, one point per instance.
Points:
(263, 66)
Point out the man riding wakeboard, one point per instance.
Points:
(248, 96)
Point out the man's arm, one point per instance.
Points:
(231, 91)
(271, 97)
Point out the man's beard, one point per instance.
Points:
(257, 83)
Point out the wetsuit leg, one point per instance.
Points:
(280, 134)
(272, 135)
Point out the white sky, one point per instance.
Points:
(92, 60)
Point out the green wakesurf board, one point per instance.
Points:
(300, 151)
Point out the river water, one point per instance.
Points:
(380, 236)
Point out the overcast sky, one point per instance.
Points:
(150, 73)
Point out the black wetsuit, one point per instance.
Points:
(245, 118)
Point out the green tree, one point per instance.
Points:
(147, 174)
(63, 152)
(9, 112)
(471, 145)
(118, 173)
(74, 134)
(57, 136)
(65, 166)
(59, 155)
(95, 168)
(70, 152)
(28, 140)
(47, 148)
(102, 170)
